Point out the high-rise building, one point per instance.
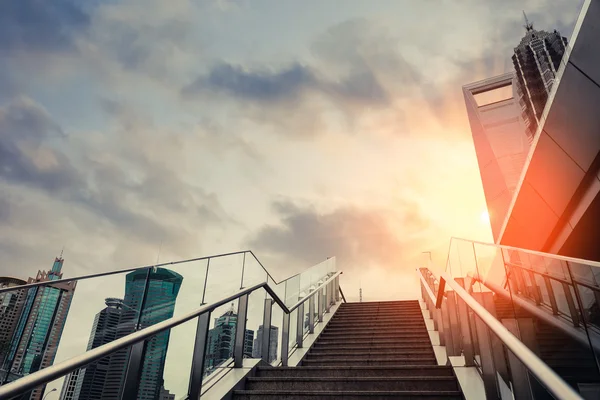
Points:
(11, 304)
(149, 298)
(221, 340)
(273, 337)
(165, 394)
(69, 389)
(88, 382)
(536, 60)
(500, 140)
(37, 334)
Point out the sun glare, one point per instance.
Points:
(485, 217)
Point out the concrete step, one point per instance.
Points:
(399, 360)
(385, 303)
(425, 383)
(381, 330)
(362, 356)
(371, 313)
(375, 341)
(356, 371)
(371, 351)
(368, 346)
(399, 336)
(375, 322)
(345, 395)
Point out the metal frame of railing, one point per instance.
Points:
(326, 294)
(122, 271)
(462, 319)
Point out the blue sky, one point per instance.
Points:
(297, 129)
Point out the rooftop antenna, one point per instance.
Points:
(360, 291)
(61, 251)
(159, 248)
(528, 25)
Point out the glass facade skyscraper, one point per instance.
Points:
(88, 383)
(37, 334)
(11, 304)
(273, 337)
(149, 298)
(536, 61)
(221, 341)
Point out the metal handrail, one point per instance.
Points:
(121, 271)
(546, 376)
(555, 278)
(55, 371)
(533, 252)
(553, 320)
(426, 285)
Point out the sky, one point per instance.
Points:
(134, 131)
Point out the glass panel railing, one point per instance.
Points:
(552, 300)
(72, 317)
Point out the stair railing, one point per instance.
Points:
(467, 328)
(321, 297)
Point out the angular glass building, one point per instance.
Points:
(500, 140)
(149, 298)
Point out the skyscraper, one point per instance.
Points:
(149, 298)
(70, 386)
(536, 60)
(221, 340)
(500, 140)
(11, 304)
(88, 383)
(37, 334)
(273, 337)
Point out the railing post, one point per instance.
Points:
(133, 372)
(490, 382)
(337, 288)
(324, 295)
(447, 331)
(311, 313)
(465, 327)
(266, 337)
(571, 304)
(537, 296)
(327, 297)
(486, 299)
(322, 300)
(240, 332)
(550, 291)
(285, 339)
(198, 358)
(518, 373)
(300, 326)
(454, 328)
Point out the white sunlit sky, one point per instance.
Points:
(137, 130)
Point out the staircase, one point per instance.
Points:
(567, 357)
(378, 350)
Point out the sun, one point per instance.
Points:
(485, 217)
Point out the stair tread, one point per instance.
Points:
(361, 379)
(366, 392)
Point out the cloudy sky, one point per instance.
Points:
(297, 129)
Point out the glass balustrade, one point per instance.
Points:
(64, 318)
